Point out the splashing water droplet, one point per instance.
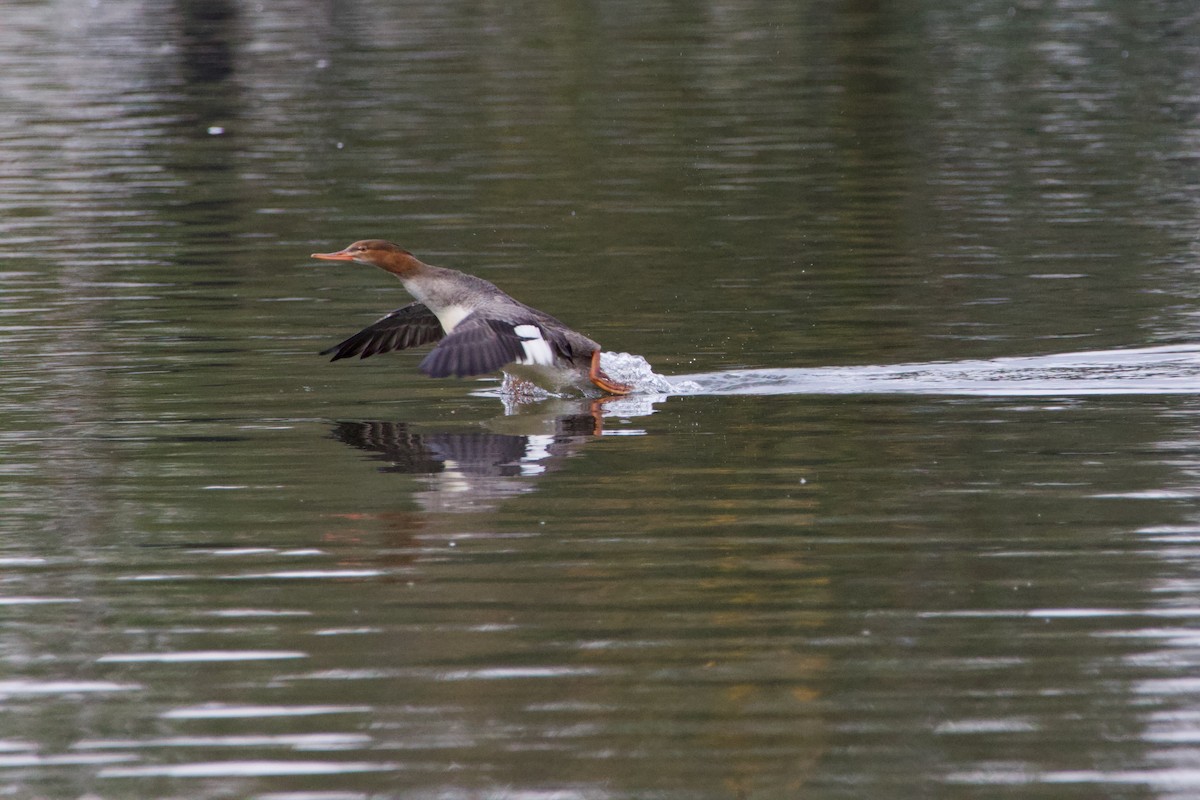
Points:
(634, 371)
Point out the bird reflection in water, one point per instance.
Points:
(468, 471)
(473, 471)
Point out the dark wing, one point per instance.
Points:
(480, 345)
(476, 347)
(405, 327)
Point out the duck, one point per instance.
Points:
(475, 327)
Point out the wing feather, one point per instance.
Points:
(410, 326)
(477, 346)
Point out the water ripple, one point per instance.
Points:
(220, 769)
(194, 656)
(1168, 369)
(222, 711)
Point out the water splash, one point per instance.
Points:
(1165, 369)
(627, 368)
(635, 371)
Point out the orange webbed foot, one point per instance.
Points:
(606, 383)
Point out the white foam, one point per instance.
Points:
(1159, 370)
(633, 370)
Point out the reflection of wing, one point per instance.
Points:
(410, 326)
(390, 441)
(496, 454)
(473, 453)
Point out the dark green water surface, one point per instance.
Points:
(231, 569)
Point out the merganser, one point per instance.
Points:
(478, 328)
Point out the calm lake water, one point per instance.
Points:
(923, 521)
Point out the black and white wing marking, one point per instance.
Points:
(480, 345)
(410, 326)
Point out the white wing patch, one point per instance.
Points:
(537, 350)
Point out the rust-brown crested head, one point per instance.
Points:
(377, 253)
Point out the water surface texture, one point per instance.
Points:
(919, 515)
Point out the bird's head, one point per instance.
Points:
(377, 253)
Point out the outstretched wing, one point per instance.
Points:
(410, 326)
(481, 345)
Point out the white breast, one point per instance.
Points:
(450, 316)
